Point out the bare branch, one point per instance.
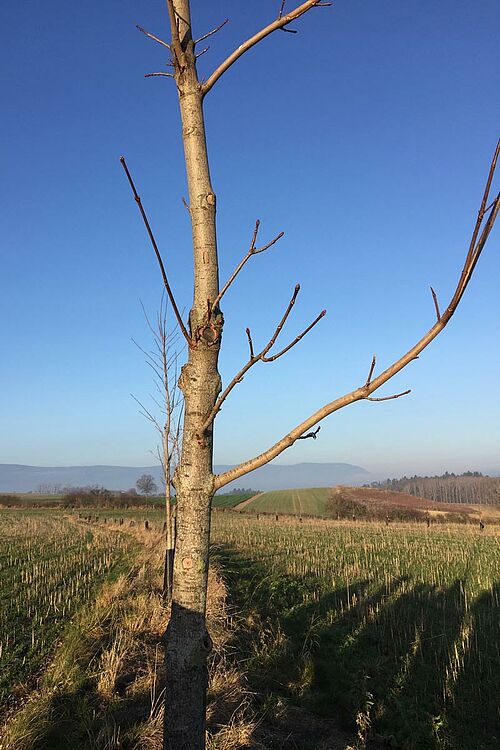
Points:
(372, 367)
(250, 342)
(296, 339)
(281, 21)
(251, 251)
(364, 392)
(155, 75)
(202, 52)
(388, 398)
(211, 33)
(176, 42)
(157, 253)
(436, 304)
(254, 358)
(152, 36)
(312, 435)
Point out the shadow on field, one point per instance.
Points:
(406, 665)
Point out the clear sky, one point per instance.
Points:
(366, 137)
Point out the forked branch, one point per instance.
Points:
(280, 22)
(365, 391)
(157, 253)
(253, 250)
(261, 356)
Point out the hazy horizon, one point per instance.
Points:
(372, 161)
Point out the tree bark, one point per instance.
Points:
(187, 642)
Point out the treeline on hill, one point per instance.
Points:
(84, 497)
(342, 506)
(471, 487)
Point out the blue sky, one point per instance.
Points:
(366, 137)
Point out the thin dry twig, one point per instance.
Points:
(211, 33)
(152, 36)
(312, 434)
(282, 20)
(155, 75)
(157, 253)
(251, 251)
(364, 392)
(372, 367)
(436, 303)
(388, 398)
(261, 356)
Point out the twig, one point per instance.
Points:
(388, 398)
(154, 75)
(250, 343)
(312, 435)
(436, 304)
(210, 33)
(261, 356)
(372, 367)
(152, 36)
(252, 251)
(282, 20)
(157, 253)
(199, 54)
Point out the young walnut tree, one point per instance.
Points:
(187, 642)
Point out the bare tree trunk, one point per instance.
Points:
(187, 642)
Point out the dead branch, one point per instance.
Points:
(152, 36)
(154, 75)
(312, 434)
(436, 304)
(157, 253)
(364, 392)
(211, 33)
(251, 251)
(176, 42)
(388, 398)
(281, 21)
(261, 356)
(372, 367)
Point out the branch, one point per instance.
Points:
(211, 33)
(436, 303)
(389, 398)
(254, 358)
(157, 253)
(364, 392)
(252, 251)
(152, 36)
(281, 21)
(154, 75)
(372, 367)
(312, 434)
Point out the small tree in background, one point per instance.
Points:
(146, 485)
(187, 642)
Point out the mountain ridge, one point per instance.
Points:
(27, 478)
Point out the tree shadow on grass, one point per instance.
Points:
(377, 661)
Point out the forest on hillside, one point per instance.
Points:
(471, 487)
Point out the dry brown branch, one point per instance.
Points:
(436, 303)
(176, 42)
(312, 434)
(281, 21)
(372, 367)
(211, 33)
(261, 356)
(251, 251)
(157, 253)
(154, 75)
(388, 398)
(365, 391)
(152, 36)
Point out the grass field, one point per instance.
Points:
(307, 501)
(49, 566)
(393, 632)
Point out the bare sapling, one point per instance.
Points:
(187, 641)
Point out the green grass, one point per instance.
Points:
(230, 500)
(390, 632)
(308, 502)
(49, 566)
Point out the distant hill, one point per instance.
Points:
(21, 478)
